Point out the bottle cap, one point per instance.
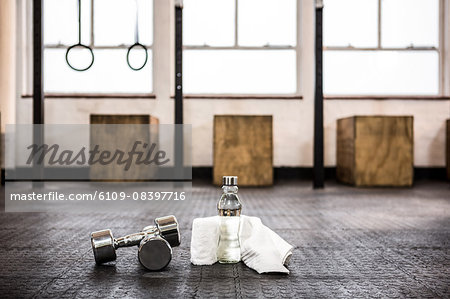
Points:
(229, 180)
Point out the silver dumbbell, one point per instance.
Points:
(155, 243)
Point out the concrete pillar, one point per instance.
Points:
(7, 65)
(7, 62)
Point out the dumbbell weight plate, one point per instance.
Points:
(154, 253)
(168, 227)
(103, 246)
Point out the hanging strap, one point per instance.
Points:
(136, 42)
(136, 27)
(79, 45)
(79, 22)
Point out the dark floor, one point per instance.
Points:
(348, 243)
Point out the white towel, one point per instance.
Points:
(261, 248)
(205, 240)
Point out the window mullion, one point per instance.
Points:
(298, 67)
(92, 24)
(443, 89)
(236, 12)
(379, 25)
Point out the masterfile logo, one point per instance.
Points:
(141, 153)
(133, 152)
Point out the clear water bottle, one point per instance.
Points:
(229, 208)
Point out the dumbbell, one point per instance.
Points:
(155, 243)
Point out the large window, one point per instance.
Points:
(108, 27)
(240, 46)
(381, 47)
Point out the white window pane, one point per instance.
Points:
(61, 22)
(410, 22)
(381, 72)
(115, 22)
(233, 71)
(208, 22)
(109, 73)
(350, 22)
(267, 22)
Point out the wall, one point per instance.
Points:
(293, 119)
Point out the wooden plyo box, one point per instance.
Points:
(375, 150)
(448, 149)
(121, 138)
(243, 147)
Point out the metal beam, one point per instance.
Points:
(38, 61)
(179, 142)
(178, 63)
(318, 167)
(38, 88)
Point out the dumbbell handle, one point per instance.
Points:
(129, 240)
(134, 239)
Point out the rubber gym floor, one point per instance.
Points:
(349, 242)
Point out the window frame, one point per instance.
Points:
(442, 80)
(25, 58)
(26, 92)
(297, 48)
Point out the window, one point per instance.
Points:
(240, 46)
(108, 27)
(381, 47)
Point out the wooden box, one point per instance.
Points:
(243, 147)
(448, 149)
(122, 138)
(375, 150)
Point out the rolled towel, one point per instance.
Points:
(261, 248)
(205, 240)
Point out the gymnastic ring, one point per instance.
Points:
(82, 46)
(128, 56)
